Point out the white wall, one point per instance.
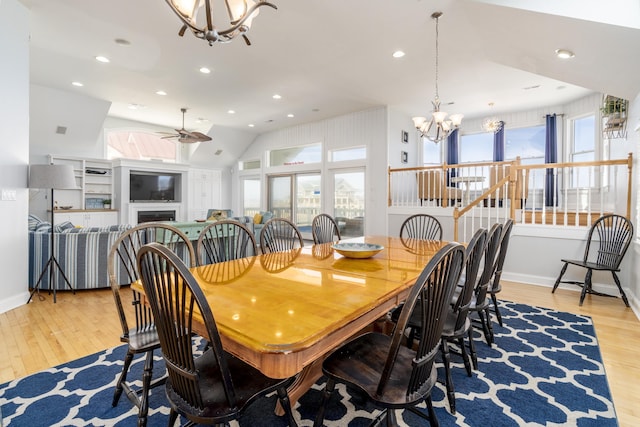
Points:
(82, 115)
(633, 139)
(14, 146)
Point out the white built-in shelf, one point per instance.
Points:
(94, 178)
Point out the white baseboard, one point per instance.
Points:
(605, 288)
(13, 302)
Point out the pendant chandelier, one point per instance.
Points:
(240, 13)
(492, 124)
(438, 127)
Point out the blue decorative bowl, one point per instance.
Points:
(357, 250)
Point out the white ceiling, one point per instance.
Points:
(330, 57)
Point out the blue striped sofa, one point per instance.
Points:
(81, 252)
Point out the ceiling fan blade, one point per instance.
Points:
(186, 136)
(186, 133)
(201, 136)
(188, 140)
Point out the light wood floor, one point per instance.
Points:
(42, 334)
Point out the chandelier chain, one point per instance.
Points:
(437, 56)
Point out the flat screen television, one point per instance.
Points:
(153, 187)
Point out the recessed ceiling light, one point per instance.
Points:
(78, 84)
(398, 54)
(161, 93)
(102, 59)
(231, 112)
(276, 96)
(122, 42)
(251, 125)
(290, 115)
(564, 53)
(205, 70)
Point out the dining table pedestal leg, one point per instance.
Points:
(303, 382)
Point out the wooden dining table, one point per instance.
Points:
(283, 312)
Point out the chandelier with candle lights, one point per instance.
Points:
(198, 16)
(439, 126)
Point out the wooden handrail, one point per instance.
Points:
(457, 213)
(517, 172)
(576, 164)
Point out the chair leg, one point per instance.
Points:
(472, 350)
(465, 356)
(622, 294)
(562, 271)
(146, 383)
(123, 378)
(489, 325)
(286, 405)
(586, 287)
(446, 359)
(173, 416)
(433, 420)
(496, 308)
(326, 394)
(391, 418)
(411, 337)
(485, 328)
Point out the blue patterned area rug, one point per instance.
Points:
(545, 369)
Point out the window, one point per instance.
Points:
(295, 197)
(528, 143)
(296, 155)
(140, 145)
(251, 196)
(583, 149)
(249, 165)
(431, 153)
(476, 147)
(352, 153)
(349, 203)
(307, 200)
(584, 141)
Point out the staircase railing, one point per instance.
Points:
(551, 194)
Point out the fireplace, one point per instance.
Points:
(148, 216)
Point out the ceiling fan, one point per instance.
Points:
(186, 136)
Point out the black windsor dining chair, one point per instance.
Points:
(225, 240)
(280, 234)
(212, 388)
(607, 243)
(391, 375)
(138, 326)
(324, 229)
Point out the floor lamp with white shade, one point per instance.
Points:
(54, 177)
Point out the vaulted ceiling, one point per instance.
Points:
(330, 57)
